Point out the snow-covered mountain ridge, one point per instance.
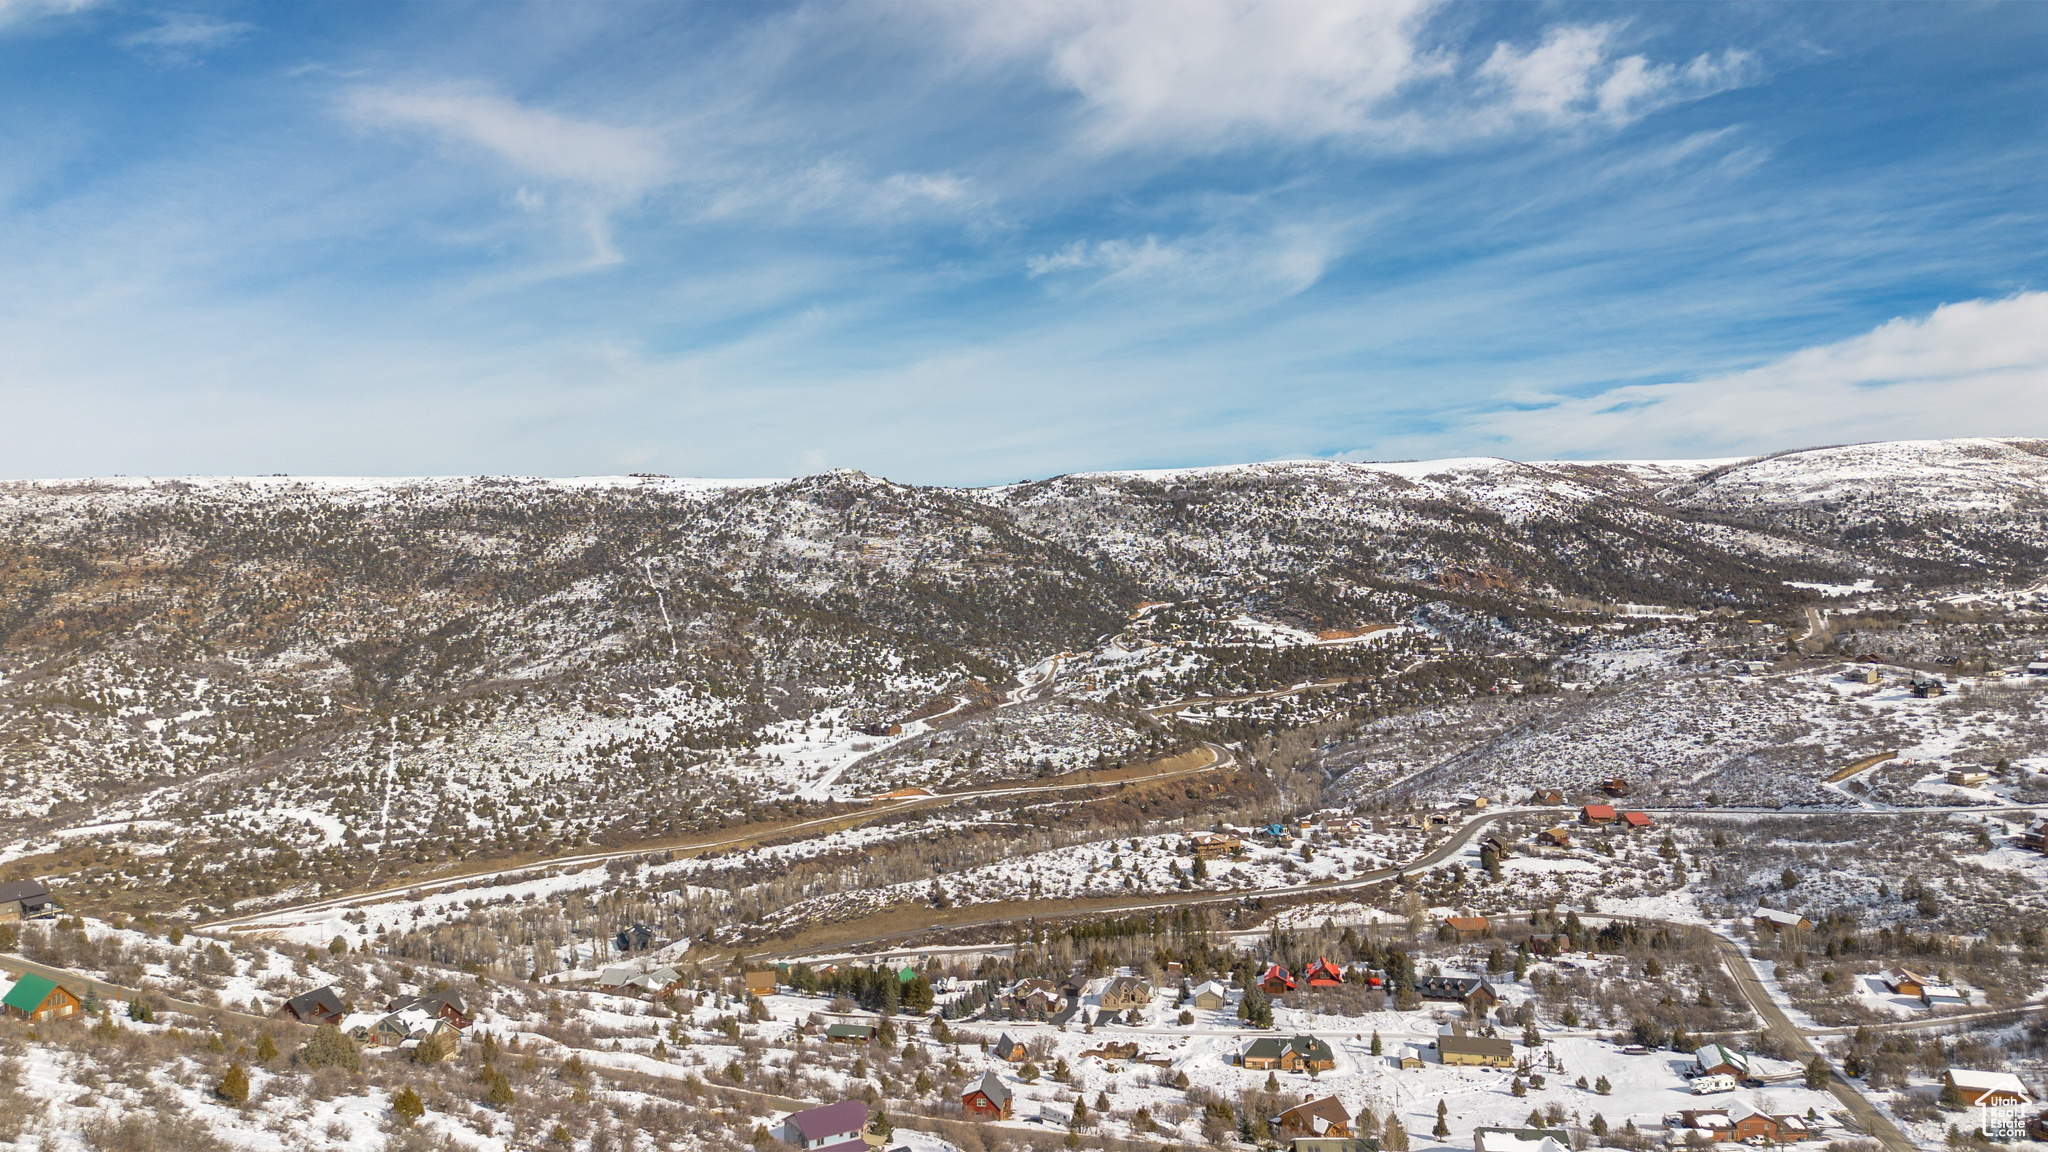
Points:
(502, 664)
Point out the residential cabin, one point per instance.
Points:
(1124, 992)
(762, 983)
(1211, 996)
(441, 1005)
(1968, 777)
(1616, 787)
(988, 1100)
(1715, 1122)
(1976, 1087)
(1720, 1060)
(1752, 1123)
(1323, 974)
(1467, 927)
(1325, 1117)
(2036, 837)
(26, 900)
(1307, 1054)
(832, 1128)
(1008, 1048)
(1461, 988)
(1905, 982)
(320, 1006)
(1929, 688)
(1555, 837)
(1635, 820)
(850, 1033)
(1597, 814)
(1215, 845)
(1777, 919)
(1276, 980)
(1547, 798)
(1480, 1051)
(1262, 1053)
(37, 998)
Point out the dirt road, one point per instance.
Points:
(1220, 758)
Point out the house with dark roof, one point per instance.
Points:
(1009, 1048)
(1306, 1054)
(1325, 1117)
(987, 1100)
(35, 998)
(26, 900)
(850, 1033)
(1459, 987)
(1126, 992)
(1262, 1053)
(320, 1006)
(442, 1005)
(832, 1128)
(1547, 798)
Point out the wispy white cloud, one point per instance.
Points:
(1210, 74)
(22, 13)
(1247, 265)
(1572, 77)
(1977, 368)
(606, 166)
(181, 38)
(537, 141)
(1112, 256)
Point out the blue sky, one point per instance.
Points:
(973, 243)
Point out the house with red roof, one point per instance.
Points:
(1597, 814)
(1276, 980)
(1323, 974)
(1635, 819)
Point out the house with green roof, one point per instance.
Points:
(851, 1033)
(36, 998)
(1264, 1052)
(1308, 1054)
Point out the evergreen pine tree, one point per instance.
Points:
(233, 1087)
(407, 1106)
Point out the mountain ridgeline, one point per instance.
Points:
(184, 639)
